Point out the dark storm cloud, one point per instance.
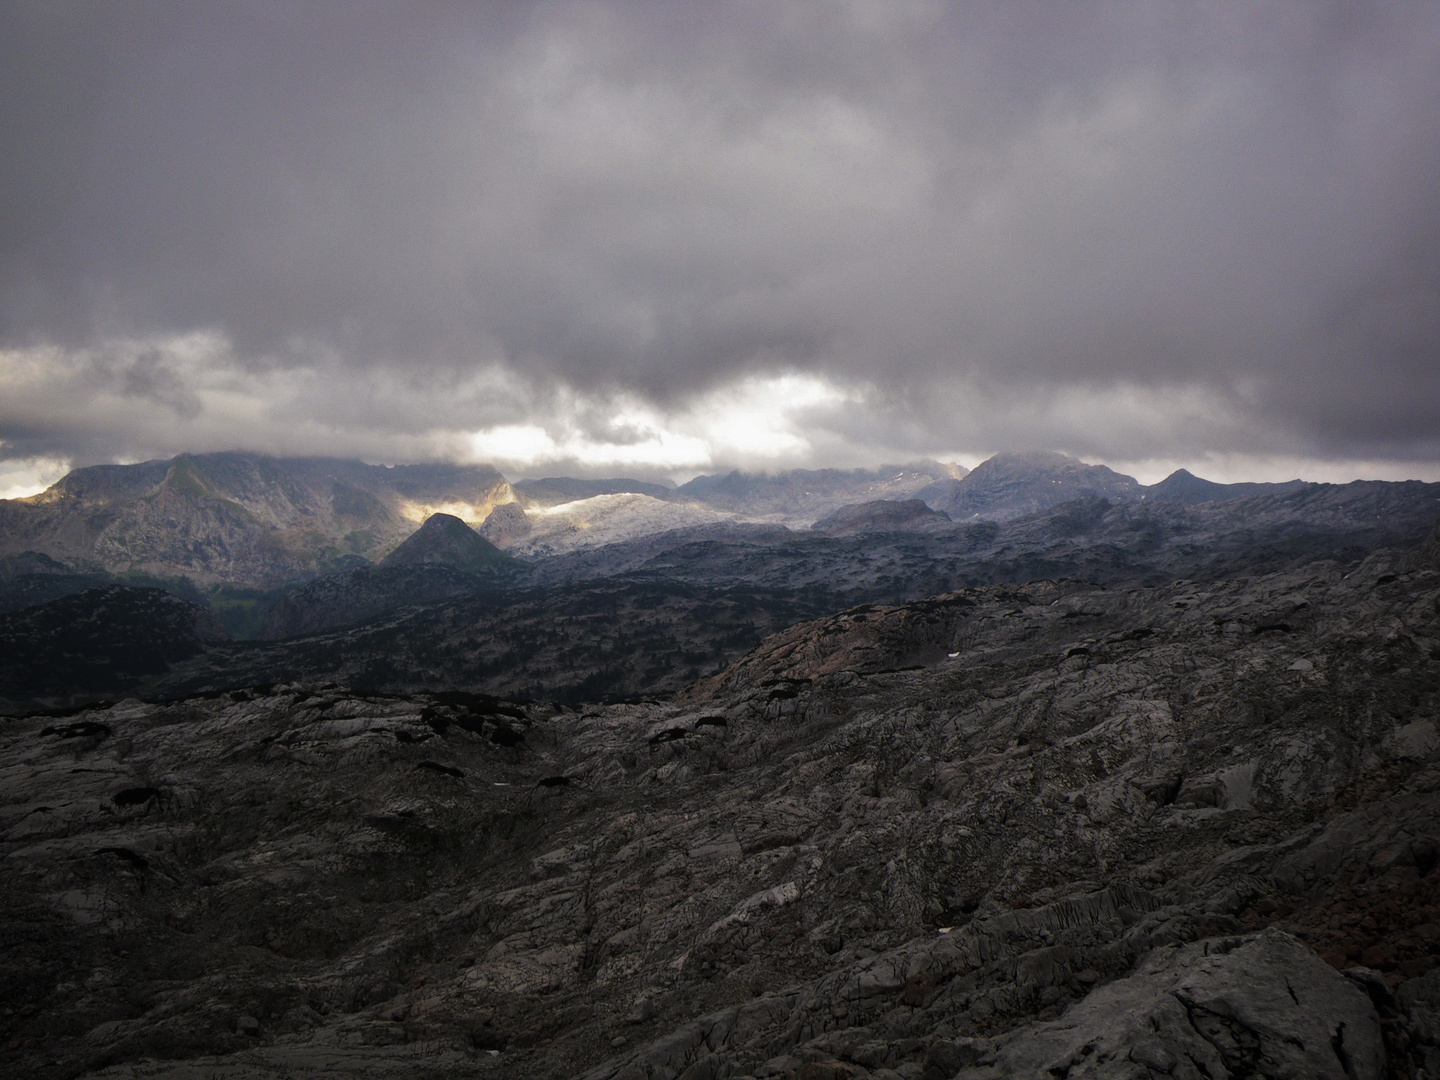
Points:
(1128, 230)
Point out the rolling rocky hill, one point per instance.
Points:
(31, 578)
(1184, 486)
(880, 516)
(1033, 830)
(354, 596)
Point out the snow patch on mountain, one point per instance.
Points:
(607, 519)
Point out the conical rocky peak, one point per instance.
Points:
(445, 540)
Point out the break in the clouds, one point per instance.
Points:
(673, 237)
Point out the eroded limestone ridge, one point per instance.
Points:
(1042, 830)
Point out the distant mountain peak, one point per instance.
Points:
(1184, 486)
(1010, 485)
(445, 540)
(1039, 461)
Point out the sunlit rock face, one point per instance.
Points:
(606, 519)
(1002, 831)
(505, 525)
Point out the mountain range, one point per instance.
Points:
(250, 522)
(278, 547)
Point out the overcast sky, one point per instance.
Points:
(667, 238)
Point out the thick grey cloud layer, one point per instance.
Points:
(1132, 231)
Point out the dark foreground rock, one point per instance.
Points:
(1040, 830)
(365, 592)
(604, 640)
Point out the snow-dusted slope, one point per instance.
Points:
(607, 519)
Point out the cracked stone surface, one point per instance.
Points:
(971, 836)
(1222, 1007)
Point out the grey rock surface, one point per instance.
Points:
(903, 841)
(1260, 1005)
(878, 516)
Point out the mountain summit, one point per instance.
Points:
(445, 540)
(1010, 485)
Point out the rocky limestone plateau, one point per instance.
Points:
(1047, 829)
(651, 615)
